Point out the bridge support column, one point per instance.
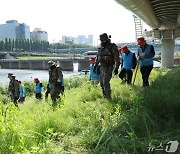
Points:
(167, 55)
(10, 65)
(30, 65)
(44, 65)
(19, 65)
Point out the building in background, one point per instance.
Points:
(66, 39)
(39, 35)
(90, 40)
(80, 39)
(14, 30)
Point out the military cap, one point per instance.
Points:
(51, 63)
(103, 37)
(10, 74)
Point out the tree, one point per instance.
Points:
(17, 44)
(2, 45)
(6, 45)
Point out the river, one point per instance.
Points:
(29, 75)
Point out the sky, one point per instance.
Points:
(72, 18)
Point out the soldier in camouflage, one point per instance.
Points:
(108, 58)
(13, 88)
(55, 81)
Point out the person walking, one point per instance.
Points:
(38, 88)
(108, 58)
(13, 88)
(22, 92)
(128, 64)
(145, 55)
(55, 80)
(94, 76)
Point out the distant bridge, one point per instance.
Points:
(65, 64)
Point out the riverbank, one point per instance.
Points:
(29, 75)
(84, 122)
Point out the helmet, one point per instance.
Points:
(123, 48)
(141, 40)
(36, 79)
(103, 37)
(92, 59)
(51, 63)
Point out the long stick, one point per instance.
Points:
(135, 73)
(84, 84)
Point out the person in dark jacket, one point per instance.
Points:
(128, 64)
(108, 58)
(13, 89)
(56, 81)
(38, 88)
(145, 55)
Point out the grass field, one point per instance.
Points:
(84, 122)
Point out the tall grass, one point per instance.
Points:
(84, 122)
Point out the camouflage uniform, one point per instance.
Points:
(108, 58)
(14, 90)
(55, 80)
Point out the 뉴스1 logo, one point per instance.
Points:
(171, 146)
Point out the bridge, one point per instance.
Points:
(164, 18)
(65, 64)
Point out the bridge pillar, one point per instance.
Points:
(10, 65)
(83, 65)
(66, 65)
(44, 65)
(167, 55)
(30, 65)
(19, 65)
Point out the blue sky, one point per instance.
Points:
(72, 17)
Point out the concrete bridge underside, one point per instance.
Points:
(164, 18)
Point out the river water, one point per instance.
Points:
(29, 75)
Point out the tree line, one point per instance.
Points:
(29, 45)
(23, 45)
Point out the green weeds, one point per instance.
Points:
(84, 122)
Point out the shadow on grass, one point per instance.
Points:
(150, 116)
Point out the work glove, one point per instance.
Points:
(115, 71)
(59, 80)
(94, 69)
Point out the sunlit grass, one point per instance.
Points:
(85, 122)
